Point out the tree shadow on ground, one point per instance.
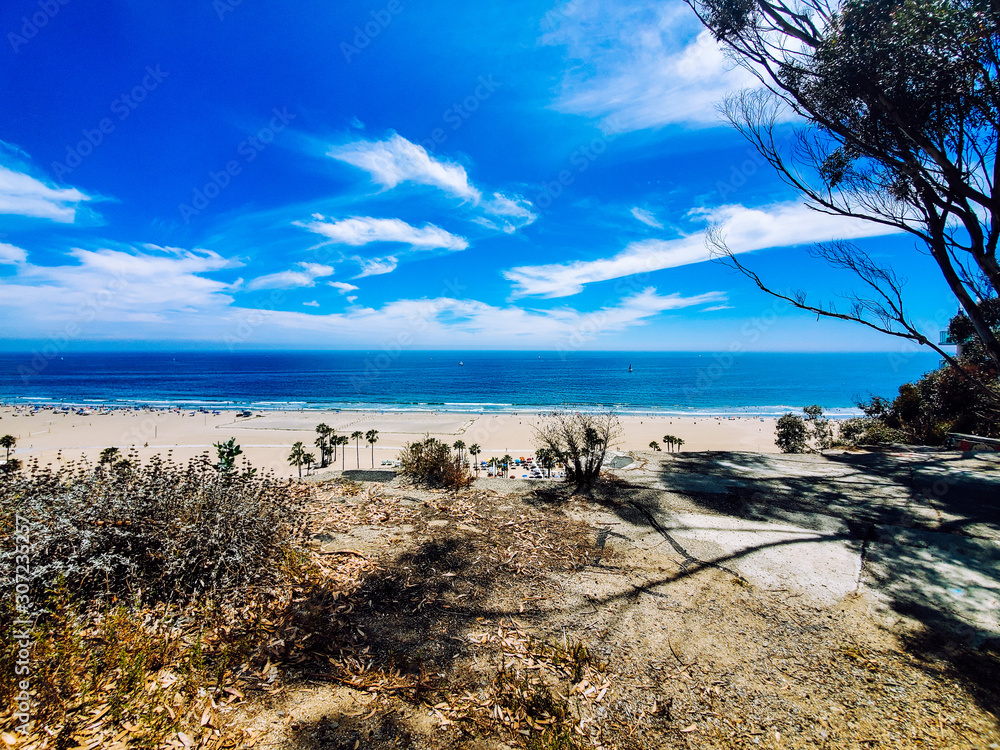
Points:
(401, 630)
(927, 529)
(938, 492)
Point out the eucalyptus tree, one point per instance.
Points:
(897, 107)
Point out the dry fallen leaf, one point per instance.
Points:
(690, 728)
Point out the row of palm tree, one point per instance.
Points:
(328, 441)
(672, 443)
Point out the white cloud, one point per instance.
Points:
(468, 322)
(313, 303)
(395, 160)
(361, 230)
(634, 65)
(23, 195)
(292, 279)
(342, 286)
(514, 212)
(12, 254)
(646, 217)
(146, 284)
(744, 229)
(713, 308)
(375, 266)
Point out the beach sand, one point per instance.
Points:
(267, 437)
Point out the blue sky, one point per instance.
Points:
(403, 174)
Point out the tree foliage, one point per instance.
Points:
(809, 434)
(580, 442)
(790, 434)
(901, 109)
(429, 461)
(226, 453)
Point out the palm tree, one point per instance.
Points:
(323, 442)
(8, 442)
(654, 445)
(333, 443)
(298, 456)
(356, 437)
(546, 458)
(507, 460)
(343, 440)
(309, 459)
(109, 455)
(474, 451)
(678, 442)
(459, 445)
(371, 437)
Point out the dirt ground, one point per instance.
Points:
(722, 600)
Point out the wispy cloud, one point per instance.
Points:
(147, 283)
(24, 195)
(375, 266)
(362, 230)
(396, 160)
(637, 65)
(304, 276)
(450, 322)
(745, 230)
(167, 294)
(512, 211)
(646, 217)
(342, 286)
(12, 254)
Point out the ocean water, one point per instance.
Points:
(660, 382)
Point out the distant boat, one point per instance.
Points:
(461, 364)
(630, 368)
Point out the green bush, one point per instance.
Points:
(868, 431)
(790, 435)
(429, 461)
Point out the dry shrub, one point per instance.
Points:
(159, 532)
(143, 592)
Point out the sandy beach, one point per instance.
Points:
(266, 437)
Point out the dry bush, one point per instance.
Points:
(141, 590)
(159, 532)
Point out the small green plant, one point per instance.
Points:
(226, 454)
